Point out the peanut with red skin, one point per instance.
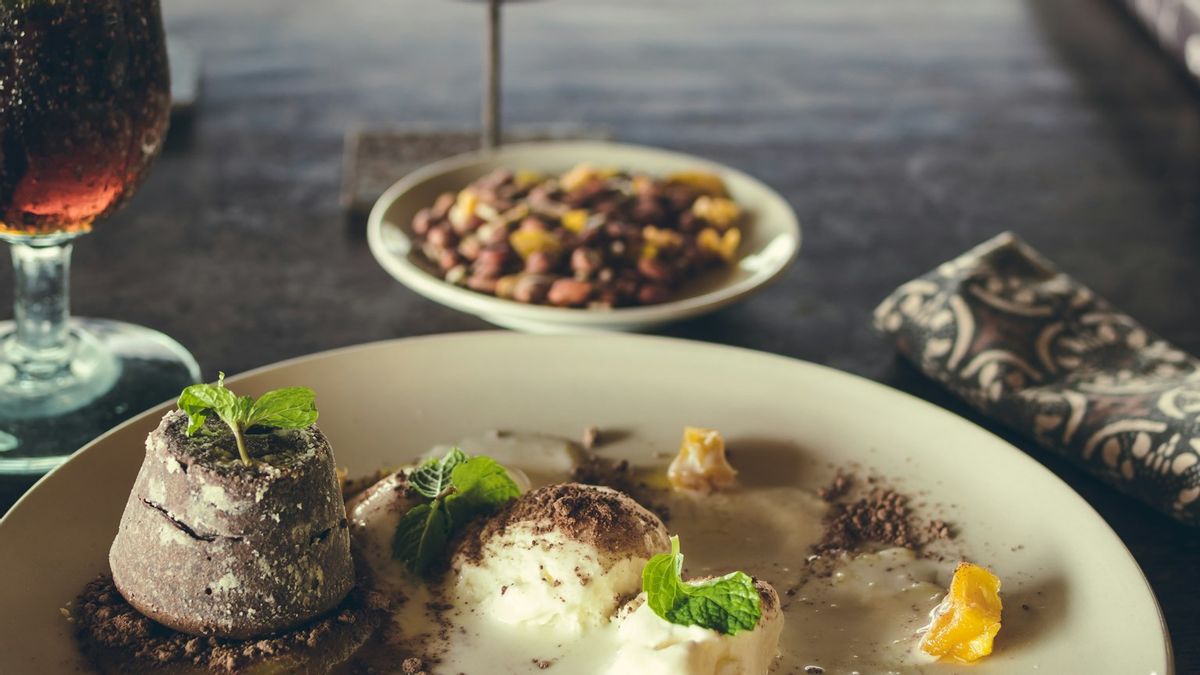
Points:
(585, 262)
(539, 262)
(448, 259)
(481, 284)
(651, 294)
(569, 292)
(490, 263)
(441, 207)
(422, 222)
(655, 270)
(442, 236)
(533, 223)
(531, 288)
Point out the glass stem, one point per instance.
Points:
(42, 345)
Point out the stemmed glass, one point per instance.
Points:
(84, 105)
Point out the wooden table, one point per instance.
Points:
(903, 132)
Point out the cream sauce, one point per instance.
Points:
(862, 618)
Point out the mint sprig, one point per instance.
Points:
(728, 604)
(287, 408)
(458, 488)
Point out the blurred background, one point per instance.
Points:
(920, 126)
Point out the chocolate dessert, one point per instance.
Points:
(213, 545)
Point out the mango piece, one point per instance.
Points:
(968, 619)
(575, 220)
(527, 178)
(464, 207)
(724, 245)
(578, 176)
(662, 238)
(649, 251)
(526, 242)
(703, 182)
(701, 463)
(719, 212)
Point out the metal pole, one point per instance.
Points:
(491, 66)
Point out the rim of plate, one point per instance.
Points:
(479, 304)
(934, 411)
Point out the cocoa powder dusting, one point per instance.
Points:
(880, 516)
(607, 520)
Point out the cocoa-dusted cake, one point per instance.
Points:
(213, 545)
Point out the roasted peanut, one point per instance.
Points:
(442, 236)
(655, 270)
(650, 294)
(585, 261)
(441, 207)
(491, 261)
(422, 222)
(481, 284)
(569, 292)
(539, 262)
(531, 288)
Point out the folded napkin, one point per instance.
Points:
(1037, 350)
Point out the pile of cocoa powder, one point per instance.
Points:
(107, 624)
(864, 512)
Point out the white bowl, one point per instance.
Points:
(769, 243)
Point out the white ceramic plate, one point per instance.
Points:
(770, 241)
(1091, 610)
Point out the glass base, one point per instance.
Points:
(116, 370)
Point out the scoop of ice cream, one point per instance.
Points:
(651, 645)
(562, 556)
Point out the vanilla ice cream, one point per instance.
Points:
(563, 556)
(650, 645)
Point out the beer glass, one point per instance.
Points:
(84, 105)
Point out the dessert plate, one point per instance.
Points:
(1075, 600)
(771, 239)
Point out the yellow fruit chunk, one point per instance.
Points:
(701, 181)
(526, 242)
(527, 178)
(968, 619)
(464, 207)
(724, 245)
(575, 220)
(581, 175)
(721, 213)
(701, 463)
(661, 238)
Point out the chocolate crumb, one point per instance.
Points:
(542, 664)
(110, 630)
(412, 666)
(619, 476)
(881, 516)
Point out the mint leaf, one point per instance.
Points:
(459, 488)
(287, 408)
(728, 604)
(421, 536)
(433, 477)
(198, 398)
(481, 486)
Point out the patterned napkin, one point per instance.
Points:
(1037, 350)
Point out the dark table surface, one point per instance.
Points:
(902, 132)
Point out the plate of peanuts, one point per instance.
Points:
(563, 237)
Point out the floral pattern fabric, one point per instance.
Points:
(1028, 345)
